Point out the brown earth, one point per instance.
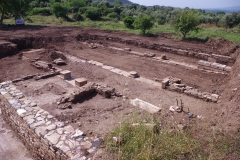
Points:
(96, 115)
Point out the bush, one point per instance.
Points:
(113, 15)
(161, 21)
(82, 10)
(42, 11)
(92, 14)
(77, 17)
(60, 10)
(143, 23)
(128, 22)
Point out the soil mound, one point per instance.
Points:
(222, 45)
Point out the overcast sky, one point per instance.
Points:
(190, 3)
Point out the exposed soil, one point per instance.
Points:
(97, 115)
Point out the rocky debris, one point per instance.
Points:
(59, 62)
(41, 65)
(24, 78)
(92, 46)
(64, 106)
(149, 54)
(133, 74)
(7, 48)
(46, 75)
(56, 55)
(87, 90)
(174, 84)
(55, 139)
(213, 66)
(164, 57)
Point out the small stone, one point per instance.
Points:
(60, 130)
(77, 134)
(40, 119)
(50, 116)
(30, 121)
(28, 117)
(41, 131)
(51, 127)
(54, 138)
(86, 145)
(20, 112)
(69, 129)
(33, 104)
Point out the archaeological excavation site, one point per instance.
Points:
(65, 89)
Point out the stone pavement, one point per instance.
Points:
(11, 147)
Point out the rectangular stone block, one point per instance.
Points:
(80, 82)
(145, 105)
(182, 52)
(228, 69)
(66, 74)
(204, 63)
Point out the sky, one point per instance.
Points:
(190, 3)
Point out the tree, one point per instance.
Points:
(93, 13)
(20, 7)
(60, 9)
(187, 21)
(143, 23)
(128, 22)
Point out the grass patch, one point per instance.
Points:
(142, 142)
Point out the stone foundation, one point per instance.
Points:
(43, 135)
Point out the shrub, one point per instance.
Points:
(77, 17)
(113, 15)
(143, 23)
(92, 14)
(128, 22)
(42, 11)
(60, 10)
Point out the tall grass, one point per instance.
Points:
(197, 142)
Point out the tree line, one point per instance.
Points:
(115, 11)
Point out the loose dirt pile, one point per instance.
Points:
(223, 46)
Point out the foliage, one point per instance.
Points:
(233, 19)
(143, 23)
(78, 17)
(113, 15)
(128, 22)
(92, 13)
(76, 4)
(60, 10)
(42, 11)
(21, 7)
(187, 21)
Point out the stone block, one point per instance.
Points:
(182, 52)
(204, 63)
(133, 74)
(66, 74)
(145, 105)
(228, 69)
(80, 82)
(165, 83)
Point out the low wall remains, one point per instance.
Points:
(43, 135)
(213, 66)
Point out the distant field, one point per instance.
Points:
(204, 34)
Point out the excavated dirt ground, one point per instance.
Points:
(98, 115)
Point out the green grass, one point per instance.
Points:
(197, 142)
(204, 34)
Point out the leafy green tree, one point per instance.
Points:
(187, 21)
(233, 19)
(60, 9)
(20, 7)
(93, 13)
(128, 22)
(113, 15)
(76, 4)
(143, 23)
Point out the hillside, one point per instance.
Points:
(226, 9)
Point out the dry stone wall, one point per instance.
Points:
(45, 136)
(213, 66)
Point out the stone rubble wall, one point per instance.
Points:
(42, 134)
(213, 66)
(174, 84)
(196, 53)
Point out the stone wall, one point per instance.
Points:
(7, 49)
(174, 84)
(42, 134)
(213, 66)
